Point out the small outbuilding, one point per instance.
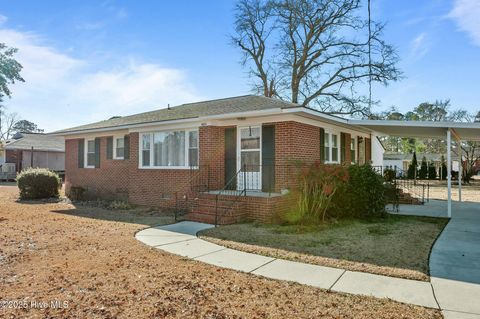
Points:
(34, 150)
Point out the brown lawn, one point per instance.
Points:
(397, 246)
(52, 251)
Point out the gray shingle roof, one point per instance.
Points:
(39, 142)
(190, 111)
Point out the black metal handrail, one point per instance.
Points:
(420, 191)
(195, 185)
(227, 190)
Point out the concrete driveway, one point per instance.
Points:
(455, 263)
(455, 257)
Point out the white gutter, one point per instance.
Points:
(187, 120)
(433, 124)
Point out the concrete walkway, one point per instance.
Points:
(455, 257)
(181, 239)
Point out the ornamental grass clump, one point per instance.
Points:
(316, 187)
(37, 183)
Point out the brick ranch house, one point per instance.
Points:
(220, 161)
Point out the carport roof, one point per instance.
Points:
(463, 131)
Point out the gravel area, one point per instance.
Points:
(95, 268)
(470, 192)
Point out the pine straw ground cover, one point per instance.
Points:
(397, 246)
(51, 251)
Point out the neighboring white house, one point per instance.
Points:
(402, 161)
(377, 151)
(2, 153)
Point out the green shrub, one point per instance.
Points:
(389, 174)
(119, 205)
(423, 172)
(363, 196)
(36, 183)
(412, 167)
(76, 193)
(432, 172)
(316, 186)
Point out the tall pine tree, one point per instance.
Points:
(422, 174)
(412, 168)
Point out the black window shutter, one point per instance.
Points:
(97, 152)
(126, 141)
(268, 158)
(81, 153)
(230, 155)
(342, 147)
(322, 145)
(110, 147)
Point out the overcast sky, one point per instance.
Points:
(89, 60)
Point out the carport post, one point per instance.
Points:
(460, 171)
(449, 172)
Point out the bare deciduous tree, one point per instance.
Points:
(7, 123)
(253, 26)
(313, 52)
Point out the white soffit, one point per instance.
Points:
(465, 131)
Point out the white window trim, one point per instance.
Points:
(115, 157)
(86, 153)
(187, 144)
(239, 152)
(330, 146)
(355, 148)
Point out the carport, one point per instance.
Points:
(441, 130)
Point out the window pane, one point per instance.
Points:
(120, 142)
(250, 138)
(334, 140)
(120, 152)
(334, 148)
(326, 148)
(145, 158)
(169, 148)
(193, 157)
(91, 159)
(334, 154)
(353, 156)
(251, 160)
(146, 142)
(193, 139)
(146, 150)
(352, 144)
(91, 147)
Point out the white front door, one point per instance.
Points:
(249, 158)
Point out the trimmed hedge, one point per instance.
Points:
(36, 183)
(363, 196)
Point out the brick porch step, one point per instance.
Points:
(202, 217)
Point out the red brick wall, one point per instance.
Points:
(294, 141)
(212, 154)
(154, 187)
(157, 187)
(109, 181)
